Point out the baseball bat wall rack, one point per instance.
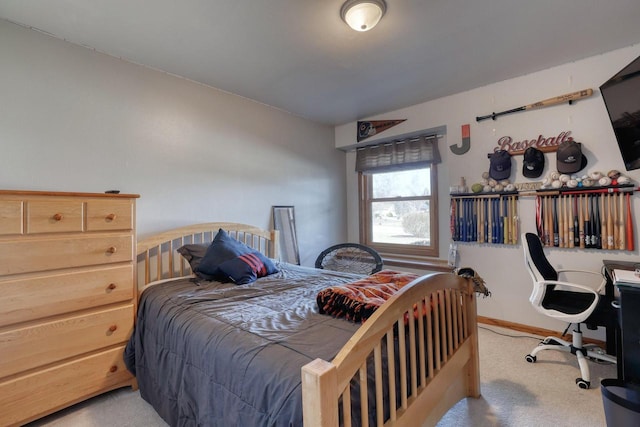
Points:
(593, 218)
(485, 218)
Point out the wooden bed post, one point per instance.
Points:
(319, 384)
(473, 368)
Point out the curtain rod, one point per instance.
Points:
(401, 141)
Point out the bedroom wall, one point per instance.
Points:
(72, 119)
(502, 266)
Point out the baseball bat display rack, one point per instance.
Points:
(485, 218)
(591, 218)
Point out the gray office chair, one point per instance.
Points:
(351, 258)
(581, 304)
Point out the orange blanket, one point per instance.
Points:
(358, 300)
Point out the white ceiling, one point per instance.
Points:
(297, 55)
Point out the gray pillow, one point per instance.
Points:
(193, 253)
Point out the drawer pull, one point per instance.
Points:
(113, 328)
(113, 369)
(58, 217)
(112, 250)
(111, 286)
(111, 217)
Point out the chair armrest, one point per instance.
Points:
(567, 284)
(603, 281)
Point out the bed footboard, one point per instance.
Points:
(423, 347)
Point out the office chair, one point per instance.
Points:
(351, 258)
(581, 304)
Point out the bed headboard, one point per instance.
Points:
(157, 256)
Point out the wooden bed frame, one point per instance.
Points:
(437, 352)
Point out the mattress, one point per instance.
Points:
(217, 354)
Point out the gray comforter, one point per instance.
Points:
(212, 354)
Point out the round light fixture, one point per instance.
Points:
(363, 15)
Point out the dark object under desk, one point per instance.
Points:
(628, 343)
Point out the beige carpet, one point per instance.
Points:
(514, 393)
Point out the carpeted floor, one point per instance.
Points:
(514, 393)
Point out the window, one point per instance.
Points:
(398, 198)
(398, 212)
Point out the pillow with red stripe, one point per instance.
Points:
(246, 268)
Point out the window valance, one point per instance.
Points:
(410, 153)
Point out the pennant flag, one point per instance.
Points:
(367, 129)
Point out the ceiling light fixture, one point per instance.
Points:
(363, 15)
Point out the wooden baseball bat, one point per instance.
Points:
(507, 221)
(629, 225)
(565, 222)
(576, 223)
(609, 224)
(561, 223)
(617, 226)
(618, 236)
(548, 222)
(594, 222)
(539, 216)
(515, 221)
(556, 237)
(598, 222)
(603, 221)
(572, 230)
(567, 97)
(587, 223)
(496, 220)
(581, 222)
(480, 221)
(485, 235)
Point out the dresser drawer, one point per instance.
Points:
(37, 345)
(28, 397)
(31, 255)
(11, 217)
(54, 216)
(38, 296)
(105, 215)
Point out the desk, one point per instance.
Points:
(629, 320)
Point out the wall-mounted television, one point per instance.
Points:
(621, 94)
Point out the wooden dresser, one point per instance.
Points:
(67, 300)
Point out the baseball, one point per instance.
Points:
(556, 184)
(572, 183)
(604, 181)
(613, 174)
(564, 178)
(595, 175)
(485, 175)
(623, 179)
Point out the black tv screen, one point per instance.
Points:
(621, 94)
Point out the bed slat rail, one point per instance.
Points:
(427, 333)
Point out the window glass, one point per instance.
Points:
(401, 184)
(398, 212)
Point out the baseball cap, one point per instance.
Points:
(533, 163)
(569, 157)
(500, 165)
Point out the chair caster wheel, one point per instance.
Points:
(529, 358)
(582, 383)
